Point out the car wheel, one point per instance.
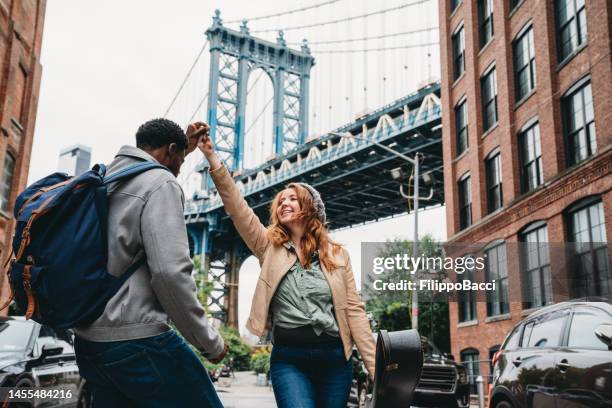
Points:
(24, 383)
(503, 404)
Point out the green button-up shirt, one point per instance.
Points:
(304, 298)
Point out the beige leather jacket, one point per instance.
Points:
(275, 261)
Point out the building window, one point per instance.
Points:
(470, 358)
(485, 21)
(579, 121)
(496, 269)
(494, 182)
(514, 3)
(530, 156)
(535, 261)
(524, 64)
(20, 85)
(587, 230)
(454, 4)
(7, 181)
(465, 203)
(461, 129)
(458, 40)
(488, 87)
(467, 299)
(571, 26)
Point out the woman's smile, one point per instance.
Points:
(288, 207)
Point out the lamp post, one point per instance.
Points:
(415, 199)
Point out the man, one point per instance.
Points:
(130, 356)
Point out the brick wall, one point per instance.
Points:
(562, 186)
(21, 28)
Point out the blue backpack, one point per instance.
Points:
(58, 275)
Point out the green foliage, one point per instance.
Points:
(392, 309)
(392, 317)
(239, 351)
(260, 361)
(203, 286)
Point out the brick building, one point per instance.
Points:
(527, 135)
(21, 29)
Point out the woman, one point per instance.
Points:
(305, 293)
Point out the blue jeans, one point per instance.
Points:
(159, 371)
(310, 377)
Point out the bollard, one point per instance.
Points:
(262, 380)
(480, 387)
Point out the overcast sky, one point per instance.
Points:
(110, 65)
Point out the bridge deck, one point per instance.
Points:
(353, 176)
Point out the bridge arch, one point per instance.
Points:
(259, 117)
(234, 54)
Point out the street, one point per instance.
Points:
(241, 392)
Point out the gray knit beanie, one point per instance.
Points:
(316, 201)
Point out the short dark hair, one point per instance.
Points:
(160, 132)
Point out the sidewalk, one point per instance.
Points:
(241, 392)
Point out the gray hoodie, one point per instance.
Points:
(146, 219)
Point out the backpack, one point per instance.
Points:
(58, 275)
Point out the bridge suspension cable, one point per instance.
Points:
(283, 13)
(195, 62)
(197, 108)
(376, 37)
(401, 47)
(341, 20)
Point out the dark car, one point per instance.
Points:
(443, 383)
(559, 356)
(32, 355)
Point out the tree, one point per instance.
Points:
(260, 360)
(238, 352)
(203, 286)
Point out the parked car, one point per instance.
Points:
(32, 355)
(559, 356)
(443, 383)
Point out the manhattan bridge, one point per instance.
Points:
(291, 135)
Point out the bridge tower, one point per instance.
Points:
(234, 55)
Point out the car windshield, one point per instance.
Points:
(14, 335)
(429, 349)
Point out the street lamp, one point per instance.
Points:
(415, 242)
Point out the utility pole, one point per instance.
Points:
(415, 198)
(415, 243)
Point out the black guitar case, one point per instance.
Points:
(399, 362)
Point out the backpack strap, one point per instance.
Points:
(129, 272)
(132, 171)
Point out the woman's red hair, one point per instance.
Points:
(316, 235)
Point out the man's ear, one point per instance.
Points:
(172, 149)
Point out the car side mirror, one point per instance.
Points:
(604, 333)
(51, 349)
(448, 356)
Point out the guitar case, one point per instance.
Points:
(399, 362)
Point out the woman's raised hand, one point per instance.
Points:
(195, 131)
(205, 144)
